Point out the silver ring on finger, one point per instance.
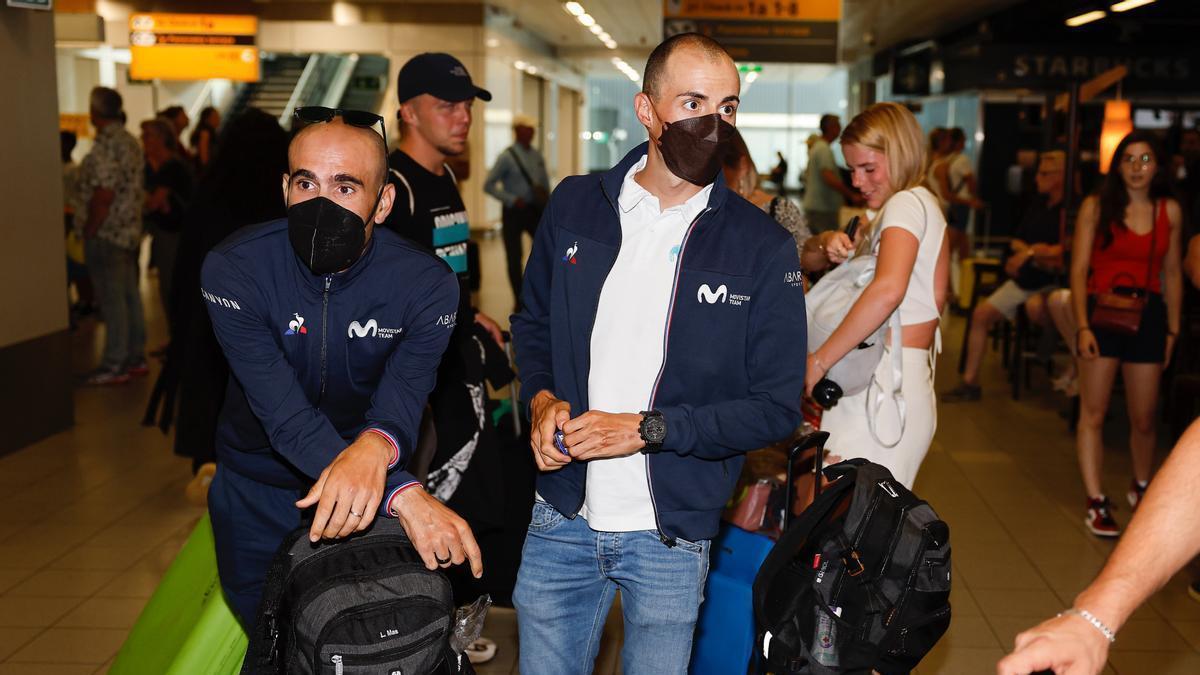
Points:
(356, 515)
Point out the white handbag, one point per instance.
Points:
(828, 303)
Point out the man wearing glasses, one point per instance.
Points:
(333, 330)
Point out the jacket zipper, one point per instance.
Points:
(596, 308)
(324, 335)
(669, 541)
(337, 664)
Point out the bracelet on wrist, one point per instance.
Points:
(1108, 633)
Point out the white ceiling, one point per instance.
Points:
(634, 24)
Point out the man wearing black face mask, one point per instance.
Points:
(333, 330)
(654, 288)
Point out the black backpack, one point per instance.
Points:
(860, 581)
(365, 604)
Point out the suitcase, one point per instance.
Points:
(186, 628)
(724, 640)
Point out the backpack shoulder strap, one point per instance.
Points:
(412, 200)
(797, 535)
(262, 651)
(450, 171)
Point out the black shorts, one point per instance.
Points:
(1149, 345)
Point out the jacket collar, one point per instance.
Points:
(611, 180)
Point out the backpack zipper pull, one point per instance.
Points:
(337, 664)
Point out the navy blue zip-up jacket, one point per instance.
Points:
(318, 360)
(733, 366)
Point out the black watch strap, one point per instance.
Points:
(653, 429)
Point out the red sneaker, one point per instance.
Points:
(1099, 520)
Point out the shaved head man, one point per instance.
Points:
(325, 404)
(661, 336)
(343, 163)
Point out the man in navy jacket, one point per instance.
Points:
(663, 333)
(333, 330)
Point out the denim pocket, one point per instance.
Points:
(544, 517)
(697, 547)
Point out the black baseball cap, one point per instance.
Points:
(439, 75)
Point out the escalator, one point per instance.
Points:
(349, 81)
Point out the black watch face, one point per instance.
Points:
(655, 428)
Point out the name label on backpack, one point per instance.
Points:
(385, 634)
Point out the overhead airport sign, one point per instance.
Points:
(792, 31)
(193, 47)
(1151, 69)
(30, 4)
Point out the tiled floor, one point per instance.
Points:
(94, 515)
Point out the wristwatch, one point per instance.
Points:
(653, 429)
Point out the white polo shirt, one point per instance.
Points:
(627, 345)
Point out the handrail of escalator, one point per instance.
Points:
(332, 96)
(285, 117)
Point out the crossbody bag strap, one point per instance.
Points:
(521, 167)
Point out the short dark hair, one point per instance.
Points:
(105, 103)
(656, 65)
(826, 120)
(957, 135)
(172, 112)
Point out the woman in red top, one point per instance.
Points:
(1127, 237)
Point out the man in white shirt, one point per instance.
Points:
(651, 287)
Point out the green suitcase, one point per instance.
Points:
(186, 628)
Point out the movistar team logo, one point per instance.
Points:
(706, 294)
(359, 330)
(296, 326)
(570, 256)
(371, 328)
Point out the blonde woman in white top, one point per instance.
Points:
(885, 151)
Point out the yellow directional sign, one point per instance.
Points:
(193, 47)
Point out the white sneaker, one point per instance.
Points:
(481, 650)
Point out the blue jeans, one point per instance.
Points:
(569, 575)
(114, 272)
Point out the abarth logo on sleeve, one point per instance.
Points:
(794, 279)
(371, 328)
(296, 326)
(448, 320)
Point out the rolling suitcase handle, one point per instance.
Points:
(809, 441)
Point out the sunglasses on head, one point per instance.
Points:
(311, 114)
(315, 114)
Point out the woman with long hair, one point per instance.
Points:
(885, 150)
(1127, 240)
(204, 137)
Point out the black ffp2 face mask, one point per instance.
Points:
(327, 237)
(693, 147)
